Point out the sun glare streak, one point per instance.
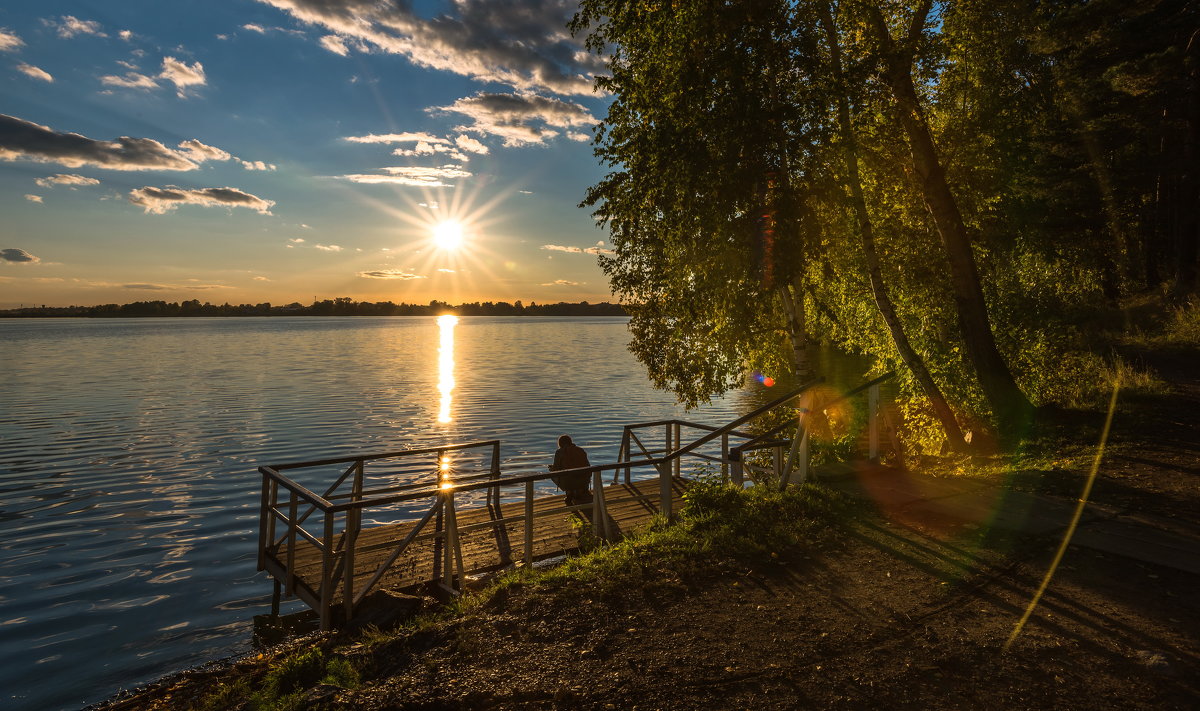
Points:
(446, 366)
(1066, 541)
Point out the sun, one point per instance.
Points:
(448, 235)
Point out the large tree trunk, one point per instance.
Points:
(883, 301)
(1008, 403)
(793, 306)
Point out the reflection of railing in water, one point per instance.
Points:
(342, 558)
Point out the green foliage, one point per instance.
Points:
(286, 685)
(1183, 327)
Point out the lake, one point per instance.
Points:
(128, 449)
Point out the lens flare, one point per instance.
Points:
(446, 325)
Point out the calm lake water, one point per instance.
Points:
(128, 448)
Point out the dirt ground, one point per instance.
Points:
(888, 612)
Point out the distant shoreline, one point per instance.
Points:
(328, 307)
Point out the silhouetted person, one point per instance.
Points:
(571, 456)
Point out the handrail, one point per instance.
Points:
(385, 455)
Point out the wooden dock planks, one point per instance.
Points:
(490, 547)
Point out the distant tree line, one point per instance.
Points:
(342, 306)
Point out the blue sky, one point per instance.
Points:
(277, 150)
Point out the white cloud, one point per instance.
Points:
(261, 278)
(407, 137)
(390, 274)
(518, 118)
(21, 139)
(161, 200)
(416, 176)
(562, 282)
(525, 192)
(17, 256)
(125, 35)
(33, 198)
(470, 144)
(297, 240)
(255, 28)
(576, 250)
(524, 45)
(257, 165)
(35, 72)
(182, 75)
(70, 26)
(328, 247)
(334, 44)
(131, 80)
(9, 41)
(201, 152)
(446, 271)
(65, 179)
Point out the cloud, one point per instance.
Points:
(255, 28)
(173, 287)
(182, 75)
(65, 179)
(125, 35)
(518, 118)
(35, 72)
(261, 278)
(297, 240)
(21, 139)
(71, 26)
(131, 80)
(334, 44)
(470, 144)
(413, 175)
(161, 200)
(390, 274)
(562, 282)
(446, 271)
(18, 256)
(407, 137)
(201, 152)
(328, 247)
(256, 165)
(577, 250)
(524, 45)
(33, 198)
(9, 41)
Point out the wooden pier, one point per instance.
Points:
(440, 516)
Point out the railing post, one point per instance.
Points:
(447, 553)
(327, 575)
(725, 458)
(529, 523)
(496, 472)
(873, 422)
(274, 498)
(777, 462)
(353, 526)
(678, 460)
(599, 507)
(291, 551)
(664, 490)
(626, 446)
(737, 473)
(263, 514)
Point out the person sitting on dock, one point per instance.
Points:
(571, 456)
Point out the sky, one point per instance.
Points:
(246, 151)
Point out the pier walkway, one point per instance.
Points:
(442, 515)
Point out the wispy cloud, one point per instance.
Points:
(562, 282)
(143, 286)
(70, 26)
(406, 137)
(577, 250)
(33, 198)
(390, 274)
(65, 179)
(131, 80)
(9, 41)
(35, 73)
(201, 152)
(413, 175)
(335, 44)
(328, 247)
(25, 140)
(160, 200)
(257, 165)
(255, 28)
(520, 118)
(524, 45)
(17, 256)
